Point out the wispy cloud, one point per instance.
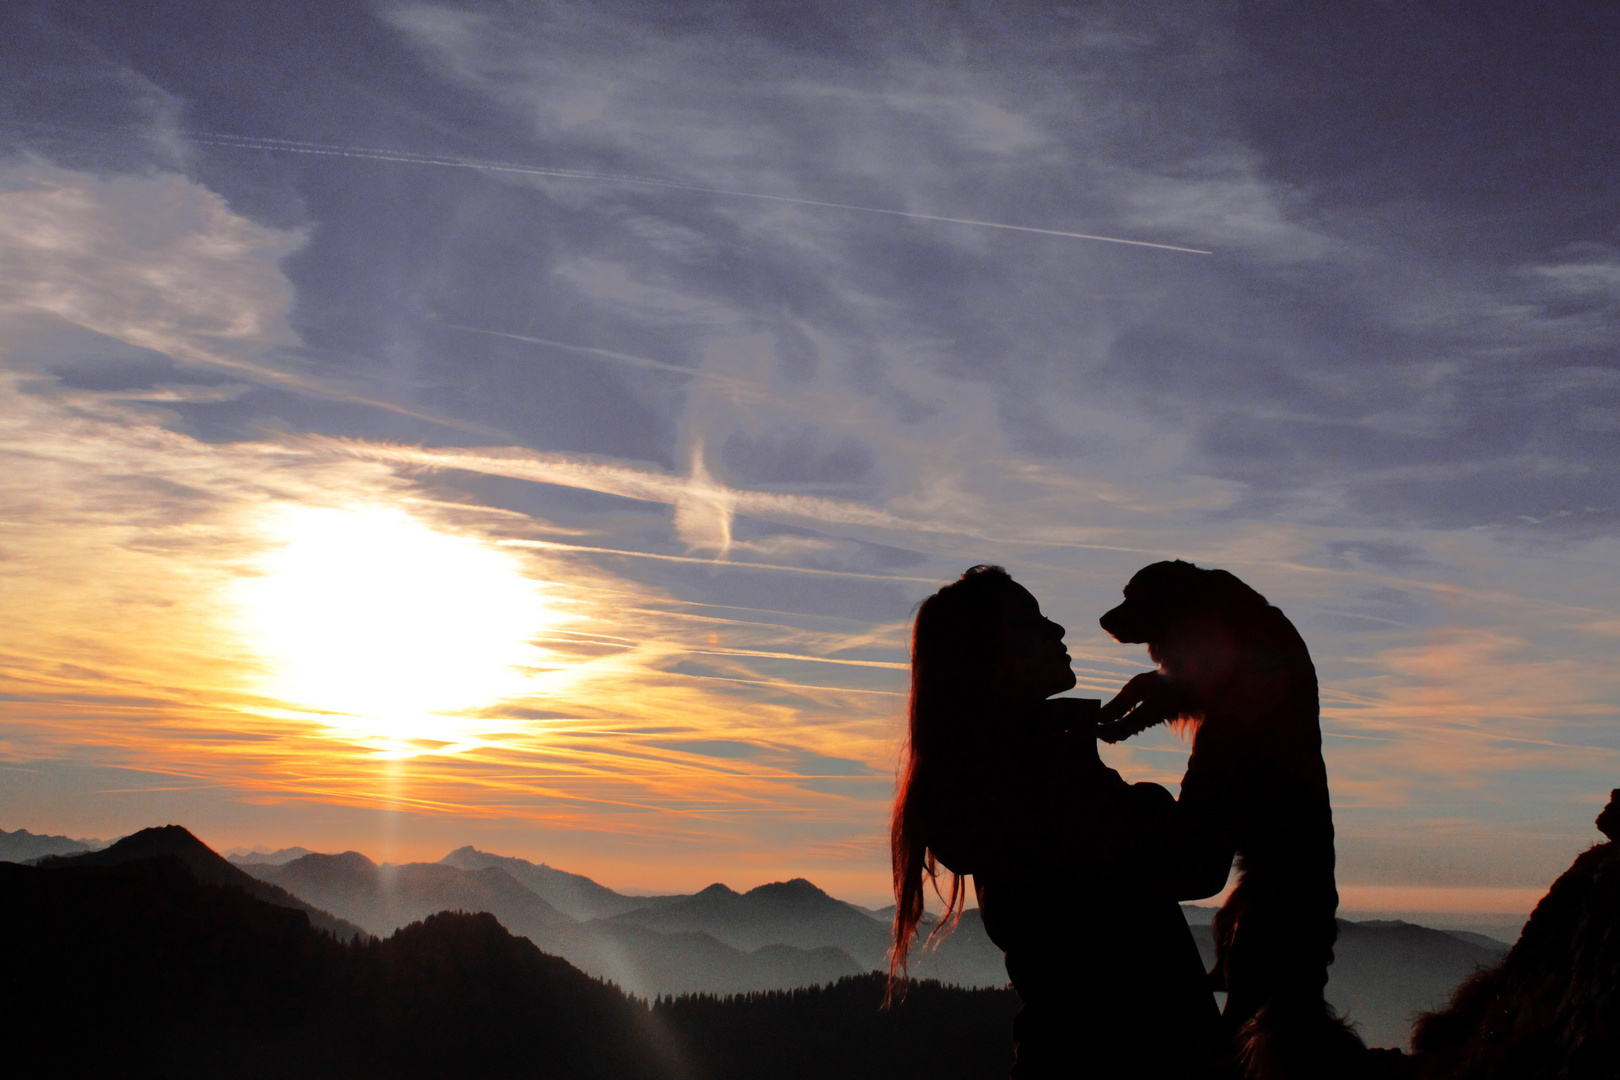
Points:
(719, 330)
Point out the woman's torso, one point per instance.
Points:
(1107, 969)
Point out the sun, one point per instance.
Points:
(389, 626)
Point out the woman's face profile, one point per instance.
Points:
(1031, 661)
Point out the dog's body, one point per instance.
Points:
(1256, 786)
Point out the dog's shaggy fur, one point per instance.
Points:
(1235, 668)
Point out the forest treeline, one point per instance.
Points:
(141, 969)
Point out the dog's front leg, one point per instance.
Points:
(1148, 699)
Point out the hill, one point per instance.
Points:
(1386, 973)
(781, 913)
(967, 957)
(173, 841)
(140, 969)
(642, 960)
(384, 898)
(575, 894)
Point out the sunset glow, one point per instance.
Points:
(534, 425)
(386, 627)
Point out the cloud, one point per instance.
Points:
(1385, 401)
(153, 261)
(128, 535)
(704, 508)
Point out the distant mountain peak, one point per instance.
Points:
(205, 864)
(318, 866)
(468, 851)
(159, 840)
(796, 887)
(718, 889)
(259, 856)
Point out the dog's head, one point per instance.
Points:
(1186, 615)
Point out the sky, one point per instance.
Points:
(532, 425)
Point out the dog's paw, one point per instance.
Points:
(1148, 699)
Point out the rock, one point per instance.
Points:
(1551, 1009)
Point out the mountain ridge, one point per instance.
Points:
(22, 846)
(643, 960)
(194, 980)
(783, 934)
(574, 894)
(384, 897)
(794, 912)
(209, 867)
(275, 858)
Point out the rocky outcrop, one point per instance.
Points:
(1551, 1009)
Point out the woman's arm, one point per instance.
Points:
(1184, 845)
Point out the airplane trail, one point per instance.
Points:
(552, 545)
(609, 354)
(406, 157)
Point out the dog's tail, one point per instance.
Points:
(1299, 1040)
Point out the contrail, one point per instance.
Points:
(552, 545)
(624, 358)
(295, 147)
(799, 656)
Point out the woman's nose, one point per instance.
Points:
(1056, 627)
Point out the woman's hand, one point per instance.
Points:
(1075, 715)
(1074, 721)
(1148, 699)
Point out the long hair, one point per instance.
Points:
(953, 648)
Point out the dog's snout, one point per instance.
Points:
(1122, 625)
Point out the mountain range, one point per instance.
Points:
(574, 894)
(23, 846)
(156, 957)
(274, 858)
(791, 933)
(384, 898)
(140, 969)
(694, 957)
(776, 936)
(175, 842)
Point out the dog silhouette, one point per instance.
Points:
(1233, 668)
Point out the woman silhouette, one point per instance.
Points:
(1002, 784)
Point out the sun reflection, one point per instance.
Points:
(390, 627)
